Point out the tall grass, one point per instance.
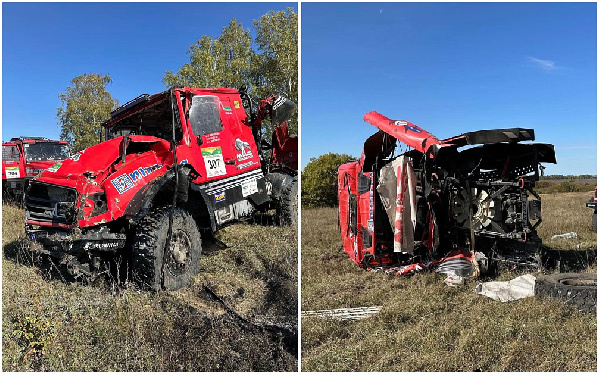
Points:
(427, 326)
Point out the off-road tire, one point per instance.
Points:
(148, 250)
(577, 289)
(287, 210)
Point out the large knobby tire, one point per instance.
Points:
(578, 289)
(153, 266)
(287, 210)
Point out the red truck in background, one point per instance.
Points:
(24, 158)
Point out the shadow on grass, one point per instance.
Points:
(18, 252)
(571, 260)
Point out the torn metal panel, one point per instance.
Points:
(404, 131)
(492, 136)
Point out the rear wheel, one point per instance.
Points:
(156, 267)
(287, 211)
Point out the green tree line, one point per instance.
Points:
(266, 64)
(319, 180)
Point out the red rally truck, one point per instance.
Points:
(175, 164)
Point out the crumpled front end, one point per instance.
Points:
(78, 210)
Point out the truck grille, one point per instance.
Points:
(50, 204)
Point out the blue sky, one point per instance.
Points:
(451, 68)
(45, 45)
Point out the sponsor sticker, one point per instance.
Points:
(12, 172)
(33, 171)
(54, 168)
(413, 129)
(244, 148)
(400, 123)
(76, 156)
(211, 137)
(219, 197)
(278, 102)
(236, 104)
(246, 165)
(371, 204)
(249, 188)
(127, 180)
(122, 183)
(213, 161)
(227, 109)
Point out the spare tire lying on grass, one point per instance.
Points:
(577, 289)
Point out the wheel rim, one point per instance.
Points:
(578, 282)
(179, 256)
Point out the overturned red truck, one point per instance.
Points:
(435, 203)
(24, 158)
(174, 163)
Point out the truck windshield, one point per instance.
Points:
(45, 151)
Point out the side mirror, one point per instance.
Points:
(283, 109)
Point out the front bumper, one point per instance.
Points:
(54, 241)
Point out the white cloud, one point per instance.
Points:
(543, 64)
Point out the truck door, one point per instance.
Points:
(11, 162)
(222, 148)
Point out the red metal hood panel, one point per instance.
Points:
(404, 131)
(95, 160)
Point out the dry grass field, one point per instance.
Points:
(52, 325)
(425, 325)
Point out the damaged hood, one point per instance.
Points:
(404, 131)
(99, 160)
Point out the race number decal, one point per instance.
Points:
(213, 161)
(12, 172)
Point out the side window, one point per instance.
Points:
(10, 153)
(204, 115)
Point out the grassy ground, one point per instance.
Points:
(427, 326)
(52, 325)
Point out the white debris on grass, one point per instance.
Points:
(453, 280)
(503, 291)
(565, 235)
(355, 313)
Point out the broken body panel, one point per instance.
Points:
(435, 199)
